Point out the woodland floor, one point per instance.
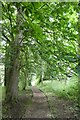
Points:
(33, 103)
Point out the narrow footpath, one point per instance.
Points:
(39, 107)
(33, 103)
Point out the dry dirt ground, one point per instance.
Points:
(34, 104)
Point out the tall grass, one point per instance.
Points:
(66, 90)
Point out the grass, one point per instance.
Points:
(61, 91)
(59, 88)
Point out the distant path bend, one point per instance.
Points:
(39, 108)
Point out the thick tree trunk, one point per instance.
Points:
(11, 76)
(12, 82)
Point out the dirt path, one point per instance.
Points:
(39, 107)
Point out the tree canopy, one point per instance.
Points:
(38, 39)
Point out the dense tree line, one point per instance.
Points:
(40, 38)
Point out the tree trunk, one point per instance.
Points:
(25, 80)
(42, 72)
(5, 77)
(40, 79)
(11, 76)
(6, 66)
(29, 80)
(12, 82)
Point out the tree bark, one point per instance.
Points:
(12, 82)
(11, 76)
(25, 80)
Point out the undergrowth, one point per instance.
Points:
(68, 90)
